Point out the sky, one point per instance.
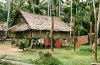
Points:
(2, 0)
(82, 0)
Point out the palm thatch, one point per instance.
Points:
(39, 22)
(20, 27)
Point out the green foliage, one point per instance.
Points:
(23, 44)
(37, 6)
(3, 12)
(5, 64)
(47, 61)
(85, 49)
(87, 8)
(83, 14)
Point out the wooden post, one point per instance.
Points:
(52, 28)
(91, 34)
(95, 38)
(74, 29)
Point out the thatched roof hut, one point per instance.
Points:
(28, 22)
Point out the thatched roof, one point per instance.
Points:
(20, 27)
(2, 26)
(39, 22)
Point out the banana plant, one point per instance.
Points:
(3, 12)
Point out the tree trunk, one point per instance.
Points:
(8, 16)
(71, 19)
(98, 23)
(33, 8)
(48, 7)
(95, 48)
(91, 34)
(52, 28)
(74, 31)
(59, 7)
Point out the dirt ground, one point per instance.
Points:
(9, 50)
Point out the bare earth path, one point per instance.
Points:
(8, 50)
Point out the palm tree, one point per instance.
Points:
(37, 6)
(95, 18)
(55, 6)
(3, 12)
(8, 16)
(71, 16)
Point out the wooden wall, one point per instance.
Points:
(38, 34)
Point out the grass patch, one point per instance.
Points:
(82, 55)
(5, 64)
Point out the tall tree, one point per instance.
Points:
(71, 16)
(8, 16)
(98, 23)
(37, 6)
(95, 37)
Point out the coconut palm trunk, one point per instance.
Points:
(98, 23)
(8, 16)
(95, 47)
(33, 8)
(71, 18)
(48, 7)
(59, 7)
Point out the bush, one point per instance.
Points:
(13, 42)
(85, 49)
(22, 44)
(47, 59)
